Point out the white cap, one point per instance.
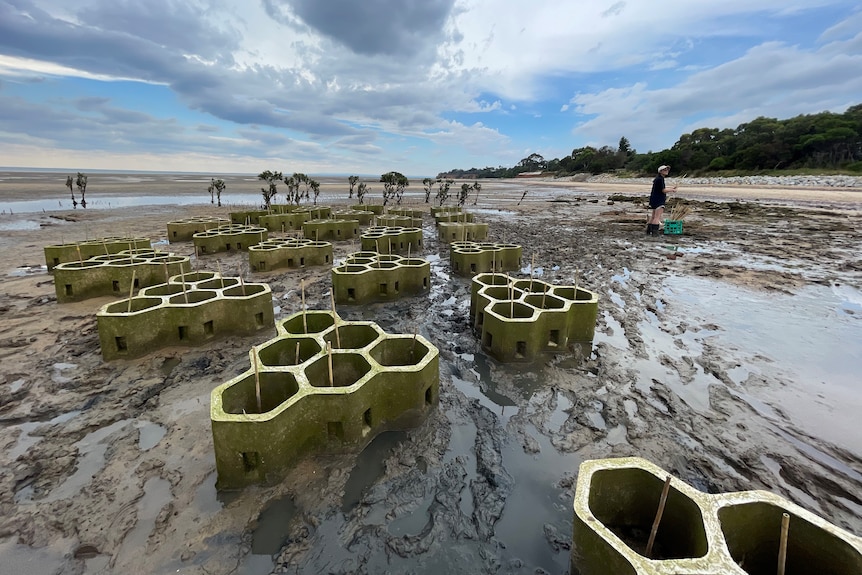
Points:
(663, 167)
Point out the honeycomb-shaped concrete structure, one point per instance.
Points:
(366, 277)
(518, 320)
(330, 230)
(364, 217)
(105, 275)
(289, 253)
(391, 240)
(458, 231)
(228, 238)
(189, 310)
(407, 212)
(457, 217)
(312, 399)
(248, 217)
(436, 210)
(470, 258)
(287, 217)
(391, 220)
(80, 251)
(377, 209)
(616, 502)
(183, 230)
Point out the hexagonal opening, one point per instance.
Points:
(501, 293)
(351, 336)
(626, 500)
(752, 532)
(244, 290)
(568, 292)
(544, 301)
(385, 265)
(399, 351)
(197, 276)
(288, 351)
(275, 389)
(513, 310)
(413, 262)
(217, 283)
(164, 289)
(192, 297)
(310, 321)
(534, 286)
(138, 304)
(347, 369)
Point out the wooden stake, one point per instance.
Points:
(131, 290)
(257, 381)
(105, 244)
(297, 354)
(335, 319)
(183, 280)
(658, 515)
(329, 355)
(304, 320)
(532, 262)
(577, 273)
(218, 264)
(80, 259)
(782, 545)
(241, 283)
(165, 264)
(511, 297)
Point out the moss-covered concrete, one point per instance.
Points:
(330, 230)
(234, 237)
(377, 209)
(366, 277)
(376, 382)
(435, 210)
(248, 217)
(615, 505)
(392, 240)
(518, 320)
(183, 230)
(105, 275)
(292, 253)
(80, 251)
(470, 258)
(364, 217)
(453, 232)
(458, 217)
(188, 310)
(391, 220)
(407, 212)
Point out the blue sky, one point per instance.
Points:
(417, 86)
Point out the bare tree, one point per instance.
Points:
(215, 188)
(465, 191)
(81, 184)
(443, 191)
(315, 187)
(429, 185)
(352, 181)
(69, 183)
(478, 187)
(361, 190)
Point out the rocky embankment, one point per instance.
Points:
(747, 181)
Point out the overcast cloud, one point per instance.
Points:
(418, 86)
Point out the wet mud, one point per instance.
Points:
(728, 356)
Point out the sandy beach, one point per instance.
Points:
(727, 355)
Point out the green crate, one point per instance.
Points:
(672, 227)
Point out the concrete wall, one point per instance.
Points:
(183, 230)
(462, 217)
(330, 230)
(248, 217)
(470, 258)
(228, 238)
(366, 277)
(391, 220)
(377, 382)
(392, 240)
(112, 274)
(407, 212)
(364, 217)
(453, 232)
(80, 251)
(375, 208)
(615, 505)
(189, 310)
(518, 320)
(289, 253)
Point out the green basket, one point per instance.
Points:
(672, 227)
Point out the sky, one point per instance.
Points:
(365, 87)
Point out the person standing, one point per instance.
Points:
(657, 199)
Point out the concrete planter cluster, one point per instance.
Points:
(228, 238)
(289, 253)
(80, 251)
(189, 310)
(183, 230)
(314, 212)
(248, 217)
(330, 230)
(399, 221)
(284, 222)
(616, 502)
(377, 209)
(410, 213)
(105, 275)
(457, 217)
(470, 258)
(298, 397)
(438, 210)
(391, 240)
(364, 218)
(453, 232)
(518, 320)
(366, 277)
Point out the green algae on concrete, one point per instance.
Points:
(407, 212)
(448, 232)
(228, 238)
(112, 274)
(615, 505)
(518, 320)
(391, 240)
(458, 217)
(188, 310)
(183, 230)
(364, 217)
(376, 382)
(79, 251)
(470, 258)
(391, 220)
(377, 209)
(330, 230)
(293, 253)
(366, 277)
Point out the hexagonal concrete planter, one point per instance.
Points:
(289, 253)
(376, 209)
(452, 232)
(518, 320)
(113, 274)
(470, 258)
(616, 502)
(407, 212)
(366, 277)
(330, 230)
(80, 251)
(460, 217)
(393, 221)
(236, 237)
(315, 399)
(183, 230)
(364, 217)
(189, 310)
(392, 240)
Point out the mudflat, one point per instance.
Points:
(728, 355)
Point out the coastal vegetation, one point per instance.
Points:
(816, 143)
(216, 187)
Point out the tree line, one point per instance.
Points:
(819, 142)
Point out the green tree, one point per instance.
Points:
(81, 184)
(315, 188)
(361, 190)
(429, 185)
(352, 181)
(443, 190)
(271, 178)
(69, 183)
(394, 184)
(215, 188)
(478, 187)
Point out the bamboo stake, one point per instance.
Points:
(297, 354)
(658, 515)
(511, 297)
(782, 546)
(241, 283)
(409, 245)
(577, 274)
(131, 291)
(218, 264)
(329, 355)
(165, 264)
(532, 262)
(80, 259)
(257, 381)
(105, 244)
(183, 280)
(304, 320)
(335, 319)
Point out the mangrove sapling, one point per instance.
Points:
(215, 189)
(429, 185)
(69, 183)
(81, 184)
(352, 181)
